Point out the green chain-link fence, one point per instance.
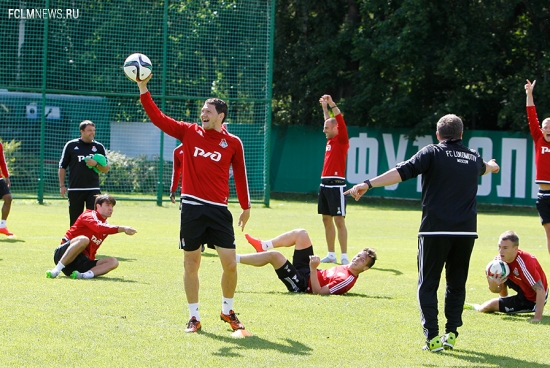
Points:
(62, 63)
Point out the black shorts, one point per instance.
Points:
(516, 303)
(331, 200)
(4, 189)
(81, 263)
(295, 275)
(204, 224)
(543, 206)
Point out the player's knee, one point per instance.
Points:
(191, 264)
(80, 242)
(113, 263)
(230, 266)
(7, 199)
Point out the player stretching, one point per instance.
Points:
(208, 153)
(302, 275)
(75, 257)
(526, 278)
(332, 202)
(541, 137)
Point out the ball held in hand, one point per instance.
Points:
(497, 268)
(137, 67)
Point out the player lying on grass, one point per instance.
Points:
(75, 257)
(302, 275)
(526, 277)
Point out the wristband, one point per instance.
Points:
(62, 187)
(332, 107)
(368, 183)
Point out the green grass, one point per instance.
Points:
(135, 316)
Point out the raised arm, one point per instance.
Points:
(323, 103)
(529, 92)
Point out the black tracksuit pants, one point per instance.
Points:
(434, 253)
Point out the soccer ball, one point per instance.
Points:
(497, 268)
(137, 67)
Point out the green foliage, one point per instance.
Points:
(134, 174)
(11, 150)
(406, 63)
(135, 315)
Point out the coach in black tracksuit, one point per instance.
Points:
(83, 180)
(450, 173)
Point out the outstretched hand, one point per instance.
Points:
(357, 190)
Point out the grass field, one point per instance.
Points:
(135, 316)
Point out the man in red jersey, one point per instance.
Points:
(75, 257)
(302, 275)
(526, 277)
(208, 153)
(332, 202)
(4, 193)
(541, 137)
(176, 171)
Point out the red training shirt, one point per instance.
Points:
(338, 279)
(542, 148)
(207, 157)
(525, 271)
(176, 168)
(336, 152)
(3, 167)
(93, 226)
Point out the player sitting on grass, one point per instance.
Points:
(302, 275)
(526, 277)
(75, 257)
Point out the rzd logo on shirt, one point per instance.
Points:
(214, 156)
(83, 158)
(96, 240)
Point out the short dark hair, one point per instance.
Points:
(104, 198)
(371, 253)
(511, 236)
(220, 105)
(85, 123)
(450, 126)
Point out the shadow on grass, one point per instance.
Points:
(110, 279)
(297, 295)
(11, 240)
(483, 359)
(349, 295)
(120, 259)
(395, 272)
(291, 347)
(524, 317)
